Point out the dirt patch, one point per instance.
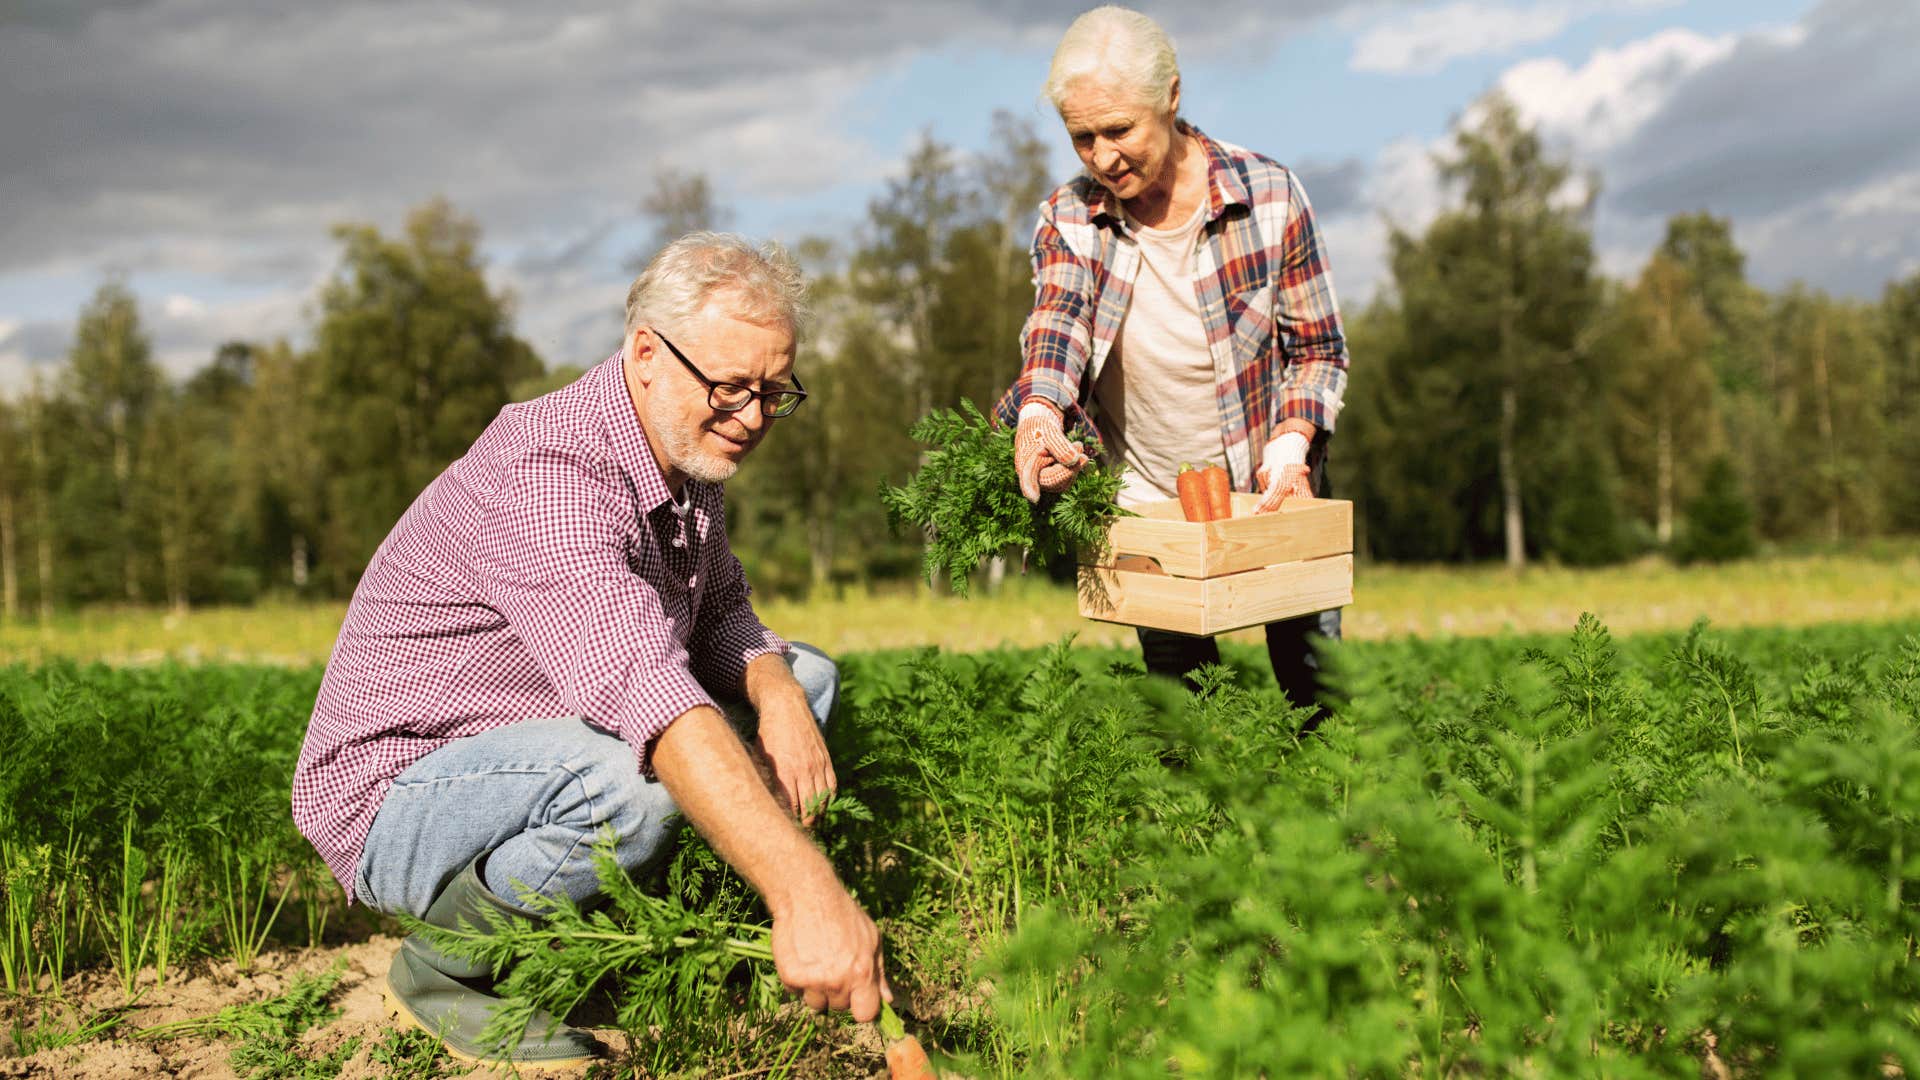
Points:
(203, 990)
(207, 986)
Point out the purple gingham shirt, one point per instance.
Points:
(1266, 297)
(546, 573)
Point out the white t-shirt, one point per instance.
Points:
(1158, 404)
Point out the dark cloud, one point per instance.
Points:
(222, 138)
(41, 343)
(58, 16)
(1334, 187)
(1783, 120)
(263, 121)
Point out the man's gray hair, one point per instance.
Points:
(761, 285)
(1115, 44)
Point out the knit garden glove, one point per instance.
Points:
(1043, 457)
(1283, 475)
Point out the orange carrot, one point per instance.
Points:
(906, 1058)
(1193, 495)
(1219, 492)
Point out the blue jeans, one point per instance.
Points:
(533, 797)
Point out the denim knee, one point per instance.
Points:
(818, 675)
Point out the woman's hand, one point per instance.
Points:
(1284, 474)
(1043, 457)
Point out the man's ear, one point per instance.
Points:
(641, 352)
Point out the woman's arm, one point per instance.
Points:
(1057, 338)
(1312, 343)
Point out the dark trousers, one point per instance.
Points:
(1290, 649)
(1290, 642)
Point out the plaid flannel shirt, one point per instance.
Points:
(1266, 295)
(546, 573)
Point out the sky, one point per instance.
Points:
(204, 149)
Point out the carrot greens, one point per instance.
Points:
(966, 499)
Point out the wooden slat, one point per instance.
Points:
(1180, 547)
(1261, 596)
(1216, 605)
(1300, 529)
(1307, 529)
(1156, 600)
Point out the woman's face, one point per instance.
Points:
(1125, 144)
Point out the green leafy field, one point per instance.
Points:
(1391, 602)
(1557, 856)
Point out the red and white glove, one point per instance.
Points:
(1043, 457)
(1283, 474)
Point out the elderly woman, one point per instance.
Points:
(1183, 310)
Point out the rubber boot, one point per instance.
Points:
(448, 996)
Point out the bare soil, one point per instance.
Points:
(207, 986)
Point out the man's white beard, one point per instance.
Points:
(683, 450)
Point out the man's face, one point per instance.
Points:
(690, 438)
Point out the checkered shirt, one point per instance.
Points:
(546, 573)
(1266, 296)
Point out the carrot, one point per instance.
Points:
(1193, 495)
(906, 1058)
(1219, 492)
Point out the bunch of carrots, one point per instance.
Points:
(1205, 492)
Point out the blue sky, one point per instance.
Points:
(205, 148)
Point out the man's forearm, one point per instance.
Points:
(770, 683)
(710, 775)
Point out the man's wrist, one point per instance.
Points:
(769, 681)
(810, 874)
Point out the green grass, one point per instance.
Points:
(1389, 602)
(1519, 854)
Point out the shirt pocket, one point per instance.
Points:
(1250, 324)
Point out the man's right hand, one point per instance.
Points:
(1043, 457)
(828, 951)
(824, 946)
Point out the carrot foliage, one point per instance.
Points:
(966, 499)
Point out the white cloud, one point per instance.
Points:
(180, 306)
(1801, 135)
(1614, 93)
(1427, 40)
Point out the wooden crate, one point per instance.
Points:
(1162, 571)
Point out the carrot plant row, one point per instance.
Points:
(143, 821)
(1577, 856)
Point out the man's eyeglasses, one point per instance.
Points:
(732, 397)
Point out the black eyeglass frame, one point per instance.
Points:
(768, 398)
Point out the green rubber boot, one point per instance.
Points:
(447, 996)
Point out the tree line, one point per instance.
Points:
(1507, 400)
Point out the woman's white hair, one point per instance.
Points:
(1115, 44)
(759, 285)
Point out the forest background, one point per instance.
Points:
(1508, 401)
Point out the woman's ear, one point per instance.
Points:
(1173, 100)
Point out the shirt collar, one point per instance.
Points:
(1224, 186)
(631, 451)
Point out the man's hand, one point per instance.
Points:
(828, 951)
(824, 946)
(1043, 457)
(1283, 474)
(791, 740)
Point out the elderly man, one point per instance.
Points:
(543, 648)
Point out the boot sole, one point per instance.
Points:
(398, 1012)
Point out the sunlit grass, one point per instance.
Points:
(1390, 602)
